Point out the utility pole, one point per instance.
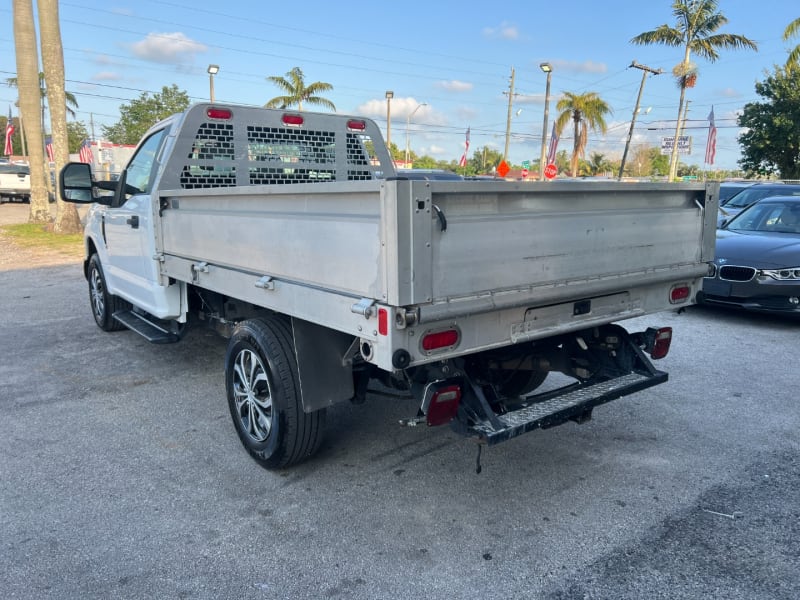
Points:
(681, 127)
(510, 93)
(645, 71)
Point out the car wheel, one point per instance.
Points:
(104, 305)
(263, 390)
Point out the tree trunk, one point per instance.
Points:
(67, 220)
(29, 99)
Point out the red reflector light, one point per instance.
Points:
(444, 405)
(293, 120)
(662, 341)
(679, 293)
(219, 113)
(357, 125)
(383, 321)
(440, 339)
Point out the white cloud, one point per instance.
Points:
(106, 76)
(587, 66)
(167, 48)
(505, 31)
(455, 86)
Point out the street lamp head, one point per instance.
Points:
(546, 67)
(213, 69)
(389, 94)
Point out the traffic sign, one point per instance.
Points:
(550, 171)
(524, 173)
(526, 164)
(503, 168)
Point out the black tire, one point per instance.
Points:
(263, 390)
(104, 305)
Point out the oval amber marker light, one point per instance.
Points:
(219, 113)
(679, 293)
(440, 339)
(295, 120)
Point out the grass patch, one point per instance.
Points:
(38, 236)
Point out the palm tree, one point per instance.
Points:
(67, 219)
(27, 57)
(70, 102)
(298, 92)
(694, 30)
(586, 111)
(792, 29)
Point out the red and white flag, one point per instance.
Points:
(9, 149)
(711, 144)
(85, 153)
(463, 161)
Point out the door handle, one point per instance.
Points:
(133, 221)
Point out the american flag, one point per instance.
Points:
(551, 150)
(85, 153)
(711, 144)
(9, 149)
(48, 147)
(463, 161)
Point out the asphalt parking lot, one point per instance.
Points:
(122, 477)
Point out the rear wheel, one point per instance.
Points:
(104, 304)
(263, 390)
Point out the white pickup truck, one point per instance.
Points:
(292, 234)
(15, 183)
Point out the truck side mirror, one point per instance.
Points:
(75, 183)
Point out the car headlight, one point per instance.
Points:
(781, 274)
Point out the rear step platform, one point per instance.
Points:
(150, 328)
(562, 405)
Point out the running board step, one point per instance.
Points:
(154, 331)
(573, 404)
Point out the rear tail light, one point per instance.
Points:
(439, 339)
(661, 341)
(679, 293)
(356, 125)
(444, 405)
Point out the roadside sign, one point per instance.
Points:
(684, 144)
(524, 173)
(550, 171)
(526, 164)
(503, 169)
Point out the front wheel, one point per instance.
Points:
(263, 389)
(104, 304)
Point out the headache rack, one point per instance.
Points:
(244, 146)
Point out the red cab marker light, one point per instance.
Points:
(292, 120)
(219, 113)
(356, 125)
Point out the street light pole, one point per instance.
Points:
(408, 124)
(547, 68)
(212, 70)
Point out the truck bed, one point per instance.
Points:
(452, 247)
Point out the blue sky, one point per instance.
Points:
(454, 58)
